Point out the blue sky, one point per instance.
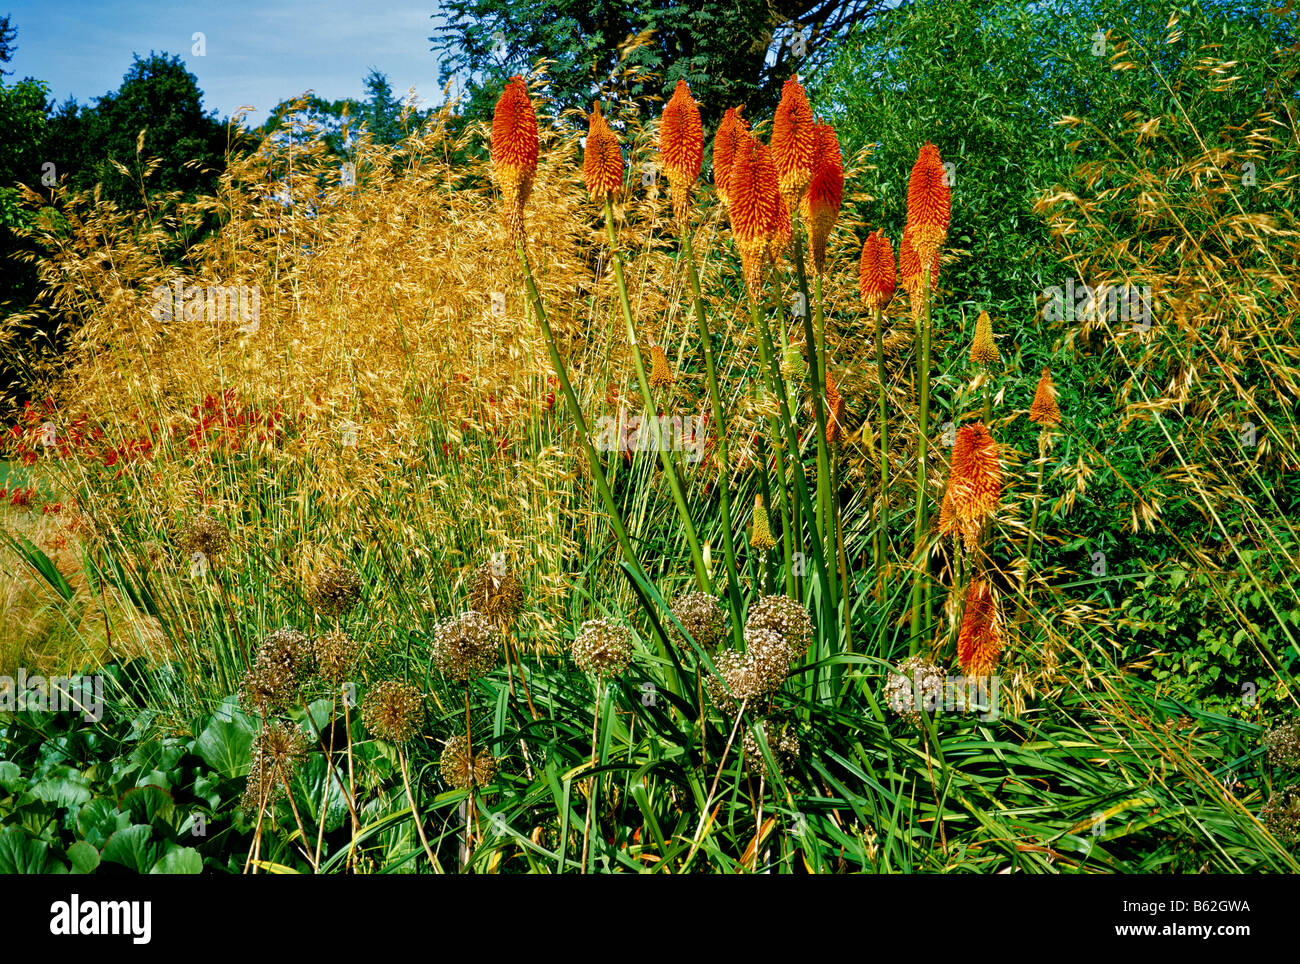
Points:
(258, 52)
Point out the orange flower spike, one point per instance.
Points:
(983, 349)
(974, 484)
(821, 205)
(754, 200)
(876, 271)
(793, 141)
(602, 164)
(835, 413)
(929, 204)
(681, 147)
(725, 142)
(979, 642)
(1044, 410)
(780, 229)
(909, 269)
(514, 152)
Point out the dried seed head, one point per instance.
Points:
(728, 663)
(783, 615)
(277, 750)
(496, 592)
(466, 647)
(463, 769)
(768, 654)
(702, 617)
(335, 590)
(393, 711)
(283, 662)
(336, 655)
(782, 743)
(913, 685)
(203, 534)
(1283, 745)
(1282, 814)
(602, 647)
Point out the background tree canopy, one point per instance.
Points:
(735, 52)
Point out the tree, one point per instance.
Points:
(729, 51)
(7, 48)
(159, 97)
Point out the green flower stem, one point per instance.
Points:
(597, 472)
(720, 427)
(665, 457)
(883, 527)
(920, 584)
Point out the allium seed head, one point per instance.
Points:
(204, 534)
(336, 655)
(336, 590)
(783, 615)
(782, 743)
(465, 647)
(393, 711)
(463, 769)
(602, 647)
(1283, 745)
(496, 592)
(703, 618)
(914, 685)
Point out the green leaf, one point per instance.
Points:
(21, 853)
(226, 743)
(84, 857)
(179, 860)
(133, 848)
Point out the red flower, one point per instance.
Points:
(514, 152)
(929, 204)
(793, 141)
(876, 271)
(979, 642)
(602, 165)
(725, 143)
(681, 147)
(821, 205)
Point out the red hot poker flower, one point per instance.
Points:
(929, 203)
(1045, 410)
(909, 270)
(514, 153)
(821, 205)
(979, 643)
(876, 271)
(602, 164)
(725, 143)
(681, 147)
(793, 141)
(974, 484)
(755, 206)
